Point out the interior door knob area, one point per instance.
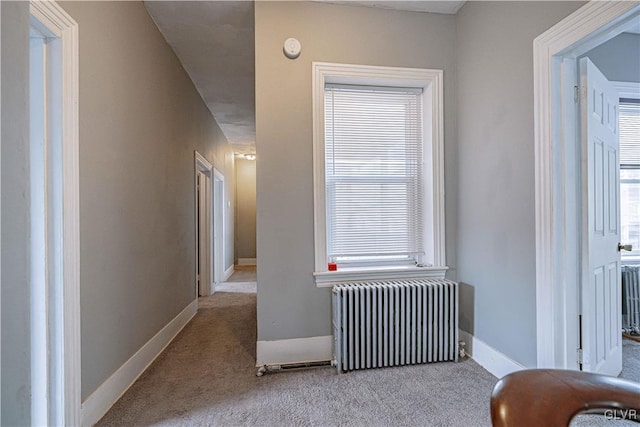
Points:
(622, 247)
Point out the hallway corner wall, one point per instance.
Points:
(141, 119)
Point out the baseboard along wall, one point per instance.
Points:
(488, 357)
(228, 273)
(317, 349)
(101, 400)
(247, 261)
(297, 350)
(278, 352)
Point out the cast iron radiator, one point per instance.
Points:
(631, 299)
(392, 323)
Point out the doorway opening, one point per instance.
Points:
(245, 257)
(218, 227)
(203, 234)
(209, 230)
(562, 179)
(629, 97)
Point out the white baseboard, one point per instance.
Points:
(228, 273)
(488, 357)
(298, 350)
(247, 261)
(96, 405)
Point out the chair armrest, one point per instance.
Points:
(552, 397)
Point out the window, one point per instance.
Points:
(374, 167)
(378, 176)
(630, 175)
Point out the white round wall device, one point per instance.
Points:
(292, 48)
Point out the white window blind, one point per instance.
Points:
(630, 133)
(630, 175)
(374, 167)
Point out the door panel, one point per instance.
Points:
(204, 241)
(600, 289)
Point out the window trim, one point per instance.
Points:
(628, 90)
(431, 81)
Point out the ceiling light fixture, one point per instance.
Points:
(250, 156)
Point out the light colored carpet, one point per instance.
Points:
(241, 287)
(243, 273)
(631, 360)
(207, 377)
(630, 371)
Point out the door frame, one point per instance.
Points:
(62, 204)
(628, 89)
(204, 166)
(217, 188)
(559, 189)
(0, 217)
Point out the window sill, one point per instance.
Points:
(325, 279)
(631, 261)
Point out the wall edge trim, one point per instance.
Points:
(103, 398)
(297, 350)
(228, 272)
(494, 361)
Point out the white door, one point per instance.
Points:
(601, 308)
(204, 233)
(218, 229)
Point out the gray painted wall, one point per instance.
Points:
(619, 58)
(15, 386)
(289, 304)
(496, 201)
(140, 121)
(245, 208)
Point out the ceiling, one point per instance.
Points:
(450, 7)
(214, 41)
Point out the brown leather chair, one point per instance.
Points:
(552, 397)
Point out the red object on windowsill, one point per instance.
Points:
(333, 266)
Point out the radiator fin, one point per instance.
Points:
(631, 299)
(392, 323)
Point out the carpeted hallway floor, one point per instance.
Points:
(207, 377)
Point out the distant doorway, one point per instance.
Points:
(209, 221)
(203, 234)
(218, 227)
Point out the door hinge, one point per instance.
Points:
(579, 356)
(576, 93)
